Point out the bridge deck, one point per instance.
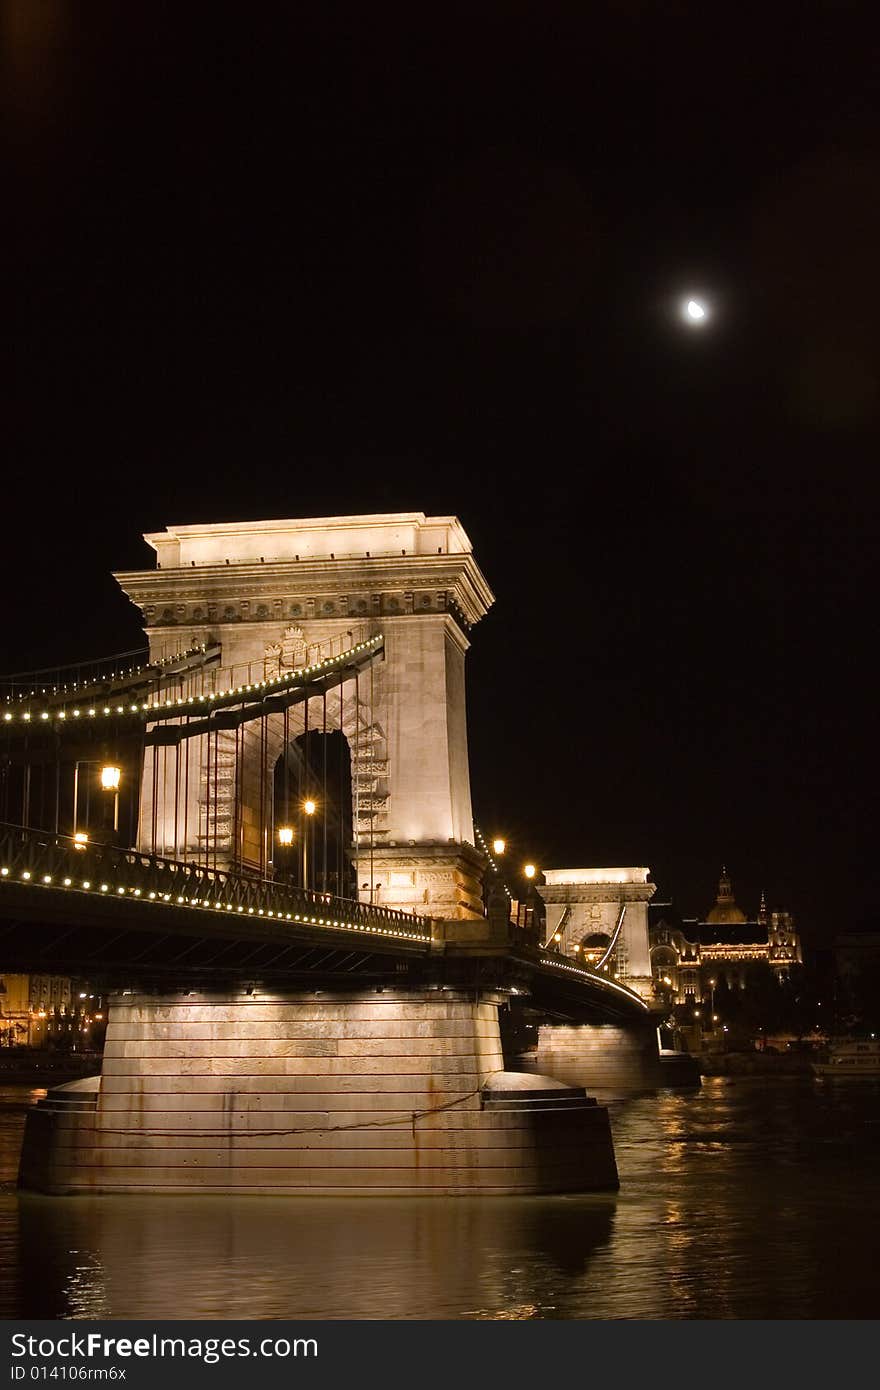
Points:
(56, 866)
(67, 909)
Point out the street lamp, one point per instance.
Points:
(499, 846)
(529, 872)
(309, 808)
(110, 777)
(285, 854)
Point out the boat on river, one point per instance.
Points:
(850, 1057)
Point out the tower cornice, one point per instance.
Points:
(456, 575)
(597, 892)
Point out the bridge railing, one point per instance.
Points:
(53, 680)
(126, 671)
(42, 859)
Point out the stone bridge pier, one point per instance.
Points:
(372, 1092)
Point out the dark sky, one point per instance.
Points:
(300, 260)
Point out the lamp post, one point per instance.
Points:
(529, 872)
(493, 891)
(285, 841)
(111, 776)
(75, 799)
(309, 808)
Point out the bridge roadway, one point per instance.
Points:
(135, 919)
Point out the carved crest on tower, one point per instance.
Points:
(288, 654)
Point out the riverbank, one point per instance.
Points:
(755, 1063)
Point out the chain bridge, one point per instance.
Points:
(257, 836)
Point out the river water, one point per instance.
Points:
(746, 1199)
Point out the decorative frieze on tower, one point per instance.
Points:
(275, 594)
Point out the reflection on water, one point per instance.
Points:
(746, 1199)
(272, 1258)
(14, 1102)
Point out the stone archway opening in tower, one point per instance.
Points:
(593, 947)
(313, 805)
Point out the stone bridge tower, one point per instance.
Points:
(273, 593)
(583, 906)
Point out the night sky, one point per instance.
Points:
(297, 260)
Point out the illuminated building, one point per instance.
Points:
(45, 1011)
(690, 957)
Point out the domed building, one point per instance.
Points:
(690, 957)
(725, 912)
